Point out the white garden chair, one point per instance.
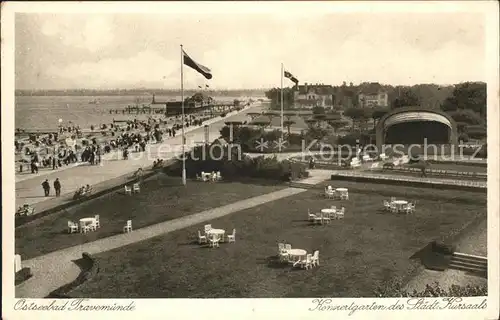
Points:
(201, 239)
(97, 223)
(393, 199)
(318, 218)
(281, 247)
(310, 216)
(136, 188)
(84, 228)
(393, 208)
(214, 241)
(340, 213)
(344, 195)
(208, 227)
(326, 217)
(288, 247)
(315, 259)
(219, 177)
(128, 227)
(232, 237)
(410, 208)
(387, 205)
(330, 194)
(128, 190)
(198, 177)
(72, 227)
(304, 263)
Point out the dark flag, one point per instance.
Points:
(291, 77)
(206, 72)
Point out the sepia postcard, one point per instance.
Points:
(247, 160)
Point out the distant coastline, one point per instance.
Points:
(136, 92)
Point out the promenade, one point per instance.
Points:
(29, 189)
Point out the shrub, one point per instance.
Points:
(388, 165)
(23, 275)
(464, 137)
(396, 289)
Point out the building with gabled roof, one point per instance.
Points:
(313, 95)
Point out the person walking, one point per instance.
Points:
(46, 187)
(57, 187)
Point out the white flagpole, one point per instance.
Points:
(183, 137)
(282, 103)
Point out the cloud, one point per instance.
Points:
(146, 67)
(91, 32)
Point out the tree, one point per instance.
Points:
(467, 116)
(288, 124)
(254, 115)
(377, 114)
(405, 98)
(337, 124)
(469, 96)
(271, 115)
(275, 96)
(356, 114)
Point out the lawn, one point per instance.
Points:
(161, 199)
(357, 254)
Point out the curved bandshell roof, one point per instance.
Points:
(415, 116)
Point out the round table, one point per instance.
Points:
(297, 252)
(87, 220)
(341, 189)
(218, 232)
(400, 203)
(328, 211)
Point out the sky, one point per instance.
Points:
(245, 50)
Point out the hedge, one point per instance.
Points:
(234, 165)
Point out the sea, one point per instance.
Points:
(44, 112)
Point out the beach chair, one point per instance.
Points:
(128, 227)
(136, 188)
(72, 227)
(128, 190)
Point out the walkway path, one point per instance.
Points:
(29, 190)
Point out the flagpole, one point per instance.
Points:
(282, 103)
(183, 137)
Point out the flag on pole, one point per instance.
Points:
(206, 72)
(291, 77)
